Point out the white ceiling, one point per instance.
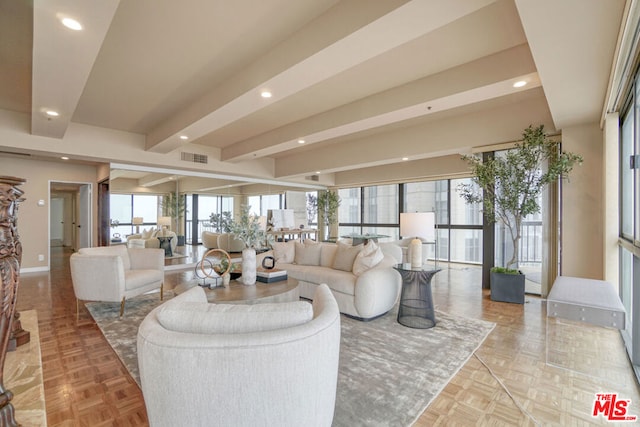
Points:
(343, 73)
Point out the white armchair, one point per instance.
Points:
(240, 365)
(114, 273)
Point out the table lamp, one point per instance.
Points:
(137, 221)
(417, 225)
(164, 222)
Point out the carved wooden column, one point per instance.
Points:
(10, 257)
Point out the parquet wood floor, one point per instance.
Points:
(86, 385)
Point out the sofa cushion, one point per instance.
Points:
(328, 254)
(283, 252)
(345, 256)
(146, 234)
(206, 318)
(367, 258)
(135, 279)
(307, 253)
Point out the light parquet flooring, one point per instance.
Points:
(86, 385)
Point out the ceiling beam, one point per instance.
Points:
(59, 74)
(401, 25)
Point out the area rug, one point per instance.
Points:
(388, 373)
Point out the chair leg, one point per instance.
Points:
(162, 292)
(122, 307)
(77, 309)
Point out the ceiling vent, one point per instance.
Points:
(312, 178)
(11, 153)
(194, 158)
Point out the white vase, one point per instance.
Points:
(249, 266)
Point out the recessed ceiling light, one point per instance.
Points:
(52, 113)
(317, 172)
(405, 158)
(265, 94)
(519, 83)
(301, 141)
(71, 23)
(184, 137)
(64, 158)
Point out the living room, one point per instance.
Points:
(361, 95)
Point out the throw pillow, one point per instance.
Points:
(146, 234)
(283, 252)
(204, 318)
(345, 256)
(369, 257)
(307, 254)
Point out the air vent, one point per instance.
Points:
(194, 158)
(312, 178)
(10, 153)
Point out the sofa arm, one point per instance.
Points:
(97, 277)
(146, 259)
(376, 291)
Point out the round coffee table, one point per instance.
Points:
(239, 293)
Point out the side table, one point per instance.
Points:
(416, 302)
(165, 243)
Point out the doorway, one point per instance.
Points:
(70, 214)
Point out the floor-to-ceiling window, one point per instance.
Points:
(376, 209)
(123, 207)
(200, 207)
(629, 165)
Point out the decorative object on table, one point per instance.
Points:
(10, 258)
(509, 186)
(249, 230)
(268, 262)
(419, 225)
(326, 204)
(175, 207)
(115, 238)
(270, 275)
(216, 267)
(137, 221)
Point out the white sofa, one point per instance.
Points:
(224, 241)
(272, 364)
(114, 273)
(149, 239)
(363, 295)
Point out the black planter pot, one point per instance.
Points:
(181, 241)
(507, 287)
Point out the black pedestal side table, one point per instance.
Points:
(165, 243)
(416, 302)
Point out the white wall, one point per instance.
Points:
(582, 206)
(33, 220)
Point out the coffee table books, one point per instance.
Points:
(268, 276)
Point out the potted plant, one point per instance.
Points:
(221, 221)
(326, 204)
(508, 188)
(247, 228)
(174, 205)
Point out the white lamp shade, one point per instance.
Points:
(418, 224)
(164, 220)
(137, 220)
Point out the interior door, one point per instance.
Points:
(57, 221)
(83, 222)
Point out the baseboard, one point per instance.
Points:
(34, 269)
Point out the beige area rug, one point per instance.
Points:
(388, 373)
(23, 376)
